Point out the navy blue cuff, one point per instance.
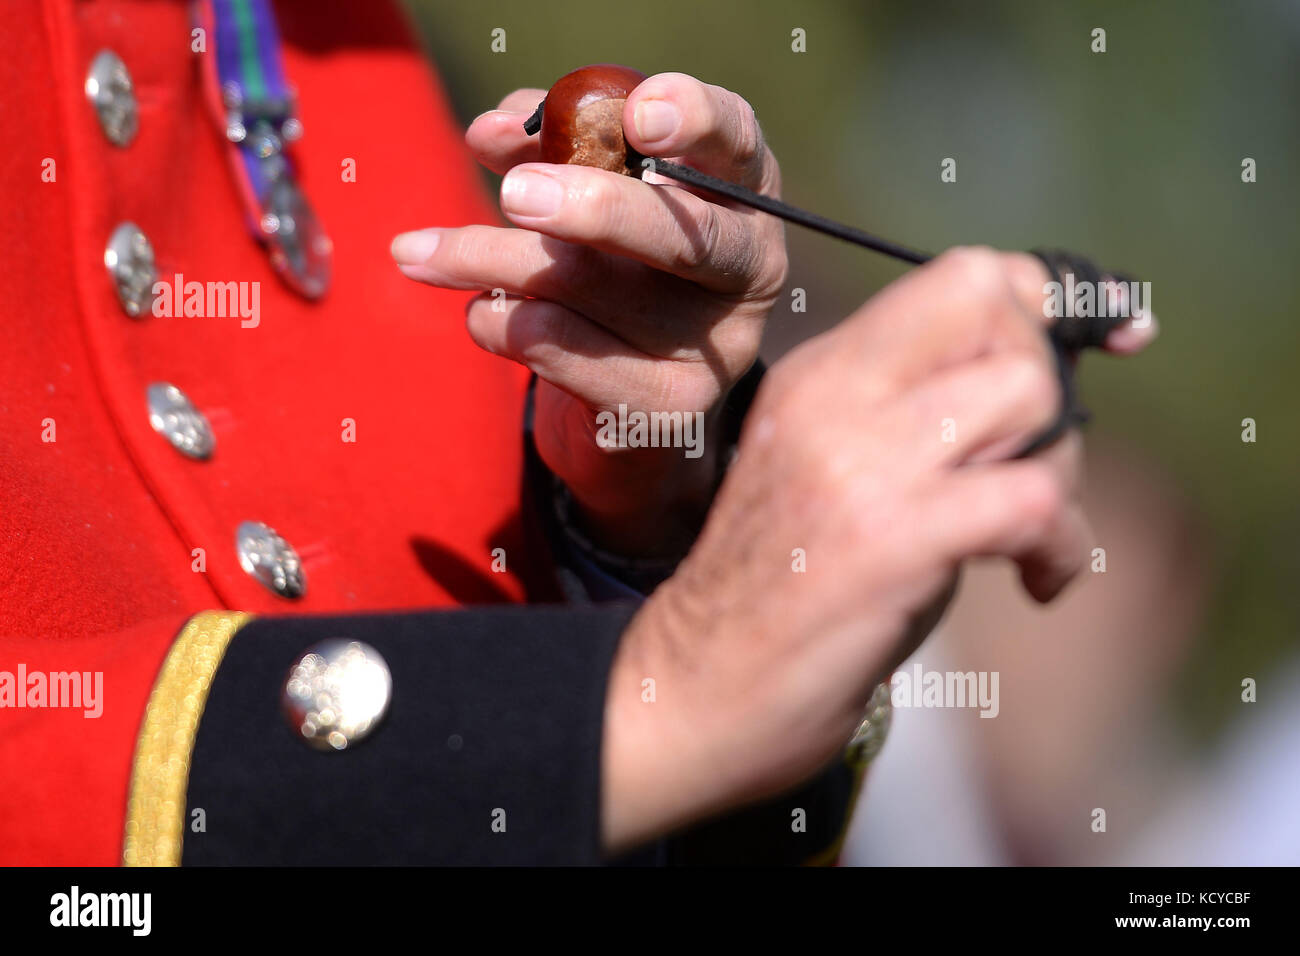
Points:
(495, 714)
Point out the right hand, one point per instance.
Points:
(763, 673)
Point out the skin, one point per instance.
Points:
(646, 295)
(653, 296)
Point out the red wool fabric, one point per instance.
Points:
(98, 528)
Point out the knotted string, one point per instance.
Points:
(1068, 335)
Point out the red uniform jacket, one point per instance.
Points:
(98, 527)
(111, 540)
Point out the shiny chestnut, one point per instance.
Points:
(582, 117)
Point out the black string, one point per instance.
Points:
(1068, 336)
(693, 177)
(533, 125)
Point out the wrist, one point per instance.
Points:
(658, 768)
(653, 502)
(649, 503)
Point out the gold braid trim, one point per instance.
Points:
(862, 749)
(155, 814)
(831, 854)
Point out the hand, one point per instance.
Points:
(762, 673)
(621, 292)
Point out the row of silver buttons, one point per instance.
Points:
(338, 691)
(129, 258)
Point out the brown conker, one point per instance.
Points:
(582, 120)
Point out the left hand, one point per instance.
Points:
(621, 292)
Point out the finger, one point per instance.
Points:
(952, 310)
(1018, 510)
(1134, 334)
(497, 138)
(524, 100)
(584, 359)
(984, 410)
(1065, 458)
(656, 313)
(667, 229)
(1047, 569)
(1031, 279)
(516, 260)
(714, 129)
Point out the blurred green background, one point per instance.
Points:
(1132, 157)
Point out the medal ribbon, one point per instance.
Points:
(246, 89)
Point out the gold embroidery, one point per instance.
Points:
(831, 854)
(155, 814)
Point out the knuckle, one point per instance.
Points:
(787, 417)
(479, 322)
(771, 184)
(747, 135)
(1033, 382)
(737, 343)
(779, 263)
(1026, 271)
(777, 381)
(767, 273)
(773, 402)
(577, 268)
(537, 324)
(979, 270)
(695, 251)
(690, 389)
(744, 256)
(769, 262)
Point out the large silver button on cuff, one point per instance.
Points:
(336, 694)
(111, 93)
(174, 416)
(270, 559)
(130, 263)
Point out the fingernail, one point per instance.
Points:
(412, 248)
(1139, 331)
(503, 114)
(656, 120)
(525, 193)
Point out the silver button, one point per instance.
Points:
(874, 728)
(110, 91)
(129, 260)
(336, 694)
(269, 558)
(174, 416)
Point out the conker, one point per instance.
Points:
(582, 117)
